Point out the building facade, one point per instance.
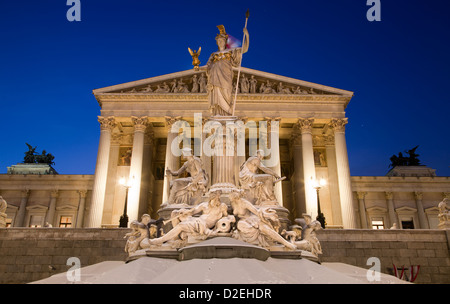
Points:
(301, 124)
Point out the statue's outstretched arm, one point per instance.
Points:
(180, 171)
(268, 170)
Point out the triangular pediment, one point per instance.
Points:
(406, 209)
(194, 82)
(37, 208)
(376, 209)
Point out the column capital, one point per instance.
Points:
(389, 195)
(338, 124)
(140, 123)
(170, 121)
(54, 193)
(107, 123)
(25, 193)
(418, 195)
(244, 119)
(200, 123)
(270, 120)
(305, 125)
(361, 194)
(82, 193)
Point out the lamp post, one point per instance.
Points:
(320, 217)
(123, 222)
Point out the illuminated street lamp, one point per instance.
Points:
(123, 222)
(317, 185)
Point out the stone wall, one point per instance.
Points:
(427, 248)
(30, 254)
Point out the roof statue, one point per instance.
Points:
(407, 166)
(401, 160)
(195, 60)
(34, 163)
(31, 156)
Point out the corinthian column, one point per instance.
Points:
(107, 124)
(362, 208)
(422, 217)
(297, 181)
(309, 170)
(333, 180)
(52, 207)
(224, 157)
(172, 161)
(273, 125)
(140, 124)
(81, 206)
(391, 208)
(343, 170)
(20, 218)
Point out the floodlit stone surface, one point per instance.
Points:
(27, 253)
(147, 270)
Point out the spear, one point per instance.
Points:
(247, 14)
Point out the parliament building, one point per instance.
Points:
(136, 136)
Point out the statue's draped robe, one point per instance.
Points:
(220, 80)
(183, 189)
(260, 186)
(249, 227)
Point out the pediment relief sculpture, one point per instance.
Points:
(248, 84)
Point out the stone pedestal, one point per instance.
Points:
(222, 247)
(408, 171)
(38, 169)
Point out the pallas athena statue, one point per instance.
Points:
(219, 70)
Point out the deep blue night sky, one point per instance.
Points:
(398, 68)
